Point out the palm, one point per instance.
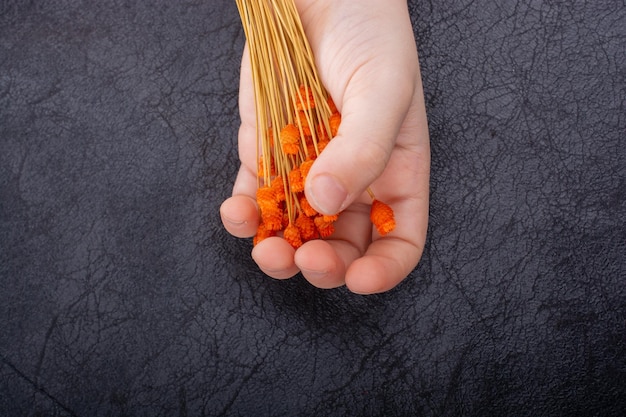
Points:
(371, 71)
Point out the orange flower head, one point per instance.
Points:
(311, 151)
(261, 167)
(305, 167)
(278, 186)
(266, 196)
(330, 218)
(290, 139)
(296, 183)
(262, 233)
(292, 236)
(321, 145)
(307, 228)
(271, 213)
(273, 218)
(322, 133)
(382, 217)
(305, 98)
(306, 207)
(304, 123)
(325, 229)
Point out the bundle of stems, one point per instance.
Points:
(296, 118)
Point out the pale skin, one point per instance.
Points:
(367, 59)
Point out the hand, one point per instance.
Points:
(367, 59)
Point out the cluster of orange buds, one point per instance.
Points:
(283, 168)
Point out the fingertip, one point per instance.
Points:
(370, 275)
(275, 257)
(240, 216)
(320, 264)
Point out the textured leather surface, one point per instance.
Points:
(121, 294)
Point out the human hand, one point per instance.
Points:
(367, 60)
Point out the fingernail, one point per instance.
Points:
(328, 194)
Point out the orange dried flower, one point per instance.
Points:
(308, 147)
(285, 219)
(330, 218)
(261, 167)
(273, 218)
(322, 133)
(305, 98)
(262, 233)
(296, 183)
(307, 228)
(271, 213)
(311, 151)
(321, 145)
(265, 195)
(290, 139)
(334, 122)
(324, 228)
(382, 217)
(306, 207)
(278, 186)
(305, 167)
(304, 123)
(292, 236)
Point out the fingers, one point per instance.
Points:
(274, 256)
(320, 264)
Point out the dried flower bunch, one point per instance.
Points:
(296, 119)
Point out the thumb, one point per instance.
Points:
(373, 109)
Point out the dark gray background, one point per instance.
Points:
(121, 294)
